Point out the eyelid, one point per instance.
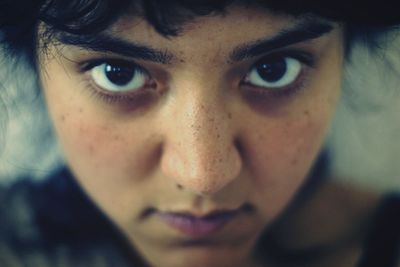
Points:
(91, 63)
(130, 100)
(306, 58)
(303, 56)
(156, 75)
(87, 66)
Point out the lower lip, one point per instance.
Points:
(194, 226)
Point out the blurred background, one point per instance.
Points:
(364, 140)
(365, 136)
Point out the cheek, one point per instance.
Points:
(99, 149)
(284, 148)
(93, 141)
(109, 163)
(92, 145)
(285, 152)
(109, 157)
(281, 156)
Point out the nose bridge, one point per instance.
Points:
(207, 136)
(200, 153)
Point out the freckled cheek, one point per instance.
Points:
(284, 155)
(280, 160)
(96, 145)
(100, 150)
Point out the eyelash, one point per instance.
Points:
(103, 95)
(308, 63)
(306, 59)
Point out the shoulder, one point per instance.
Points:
(331, 226)
(18, 228)
(51, 223)
(16, 211)
(382, 244)
(332, 212)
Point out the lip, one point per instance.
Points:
(198, 226)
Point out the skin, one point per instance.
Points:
(200, 141)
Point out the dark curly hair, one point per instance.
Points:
(19, 19)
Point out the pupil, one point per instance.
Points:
(272, 71)
(119, 75)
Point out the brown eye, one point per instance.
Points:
(275, 73)
(116, 77)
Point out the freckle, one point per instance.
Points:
(307, 113)
(229, 115)
(91, 149)
(218, 136)
(62, 118)
(294, 161)
(80, 110)
(116, 137)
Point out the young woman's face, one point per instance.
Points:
(193, 144)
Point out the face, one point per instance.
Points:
(192, 145)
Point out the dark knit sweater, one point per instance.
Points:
(52, 223)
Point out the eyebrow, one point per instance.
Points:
(304, 30)
(112, 44)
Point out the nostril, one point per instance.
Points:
(202, 169)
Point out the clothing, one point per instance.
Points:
(53, 224)
(382, 248)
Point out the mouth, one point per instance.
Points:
(196, 226)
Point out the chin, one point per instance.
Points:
(201, 253)
(202, 257)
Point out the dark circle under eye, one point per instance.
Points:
(272, 71)
(119, 75)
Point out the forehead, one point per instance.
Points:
(234, 15)
(242, 32)
(237, 25)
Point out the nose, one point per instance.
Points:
(200, 152)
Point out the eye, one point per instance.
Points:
(275, 73)
(119, 77)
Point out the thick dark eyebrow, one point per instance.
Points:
(302, 31)
(112, 44)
